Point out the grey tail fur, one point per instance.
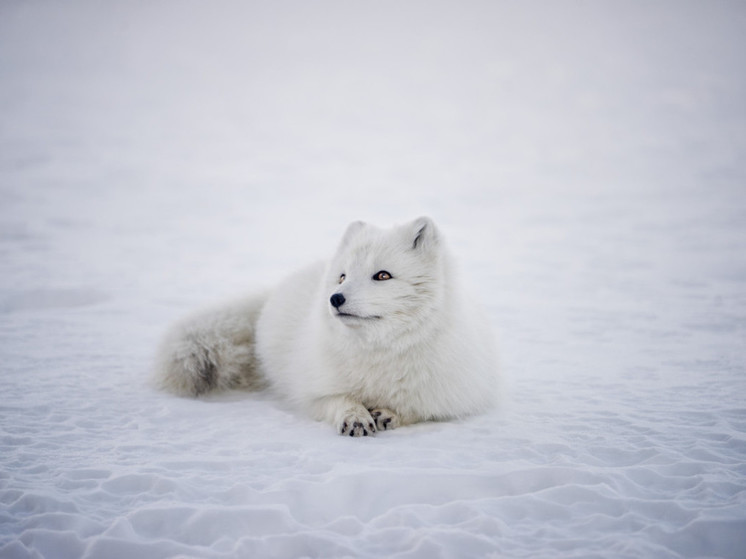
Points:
(211, 350)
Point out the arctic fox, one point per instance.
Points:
(380, 336)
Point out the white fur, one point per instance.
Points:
(411, 348)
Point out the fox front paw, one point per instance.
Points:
(385, 419)
(355, 425)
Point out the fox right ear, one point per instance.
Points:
(424, 233)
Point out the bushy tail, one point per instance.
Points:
(211, 350)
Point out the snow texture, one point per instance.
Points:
(587, 163)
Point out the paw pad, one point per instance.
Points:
(384, 419)
(357, 428)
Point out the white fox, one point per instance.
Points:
(380, 336)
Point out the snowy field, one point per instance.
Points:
(586, 162)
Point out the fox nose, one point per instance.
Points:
(337, 300)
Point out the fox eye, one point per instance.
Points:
(342, 278)
(383, 275)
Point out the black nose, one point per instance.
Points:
(337, 300)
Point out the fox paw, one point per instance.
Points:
(384, 419)
(355, 426)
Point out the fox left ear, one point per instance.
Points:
(424, 234)
(352, 229)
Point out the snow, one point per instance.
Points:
(586, 162)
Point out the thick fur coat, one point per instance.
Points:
(382, 335)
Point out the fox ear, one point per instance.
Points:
(423, 234)
(352, 230)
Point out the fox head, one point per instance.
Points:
(386, 280)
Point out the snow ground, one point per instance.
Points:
(586, 162)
